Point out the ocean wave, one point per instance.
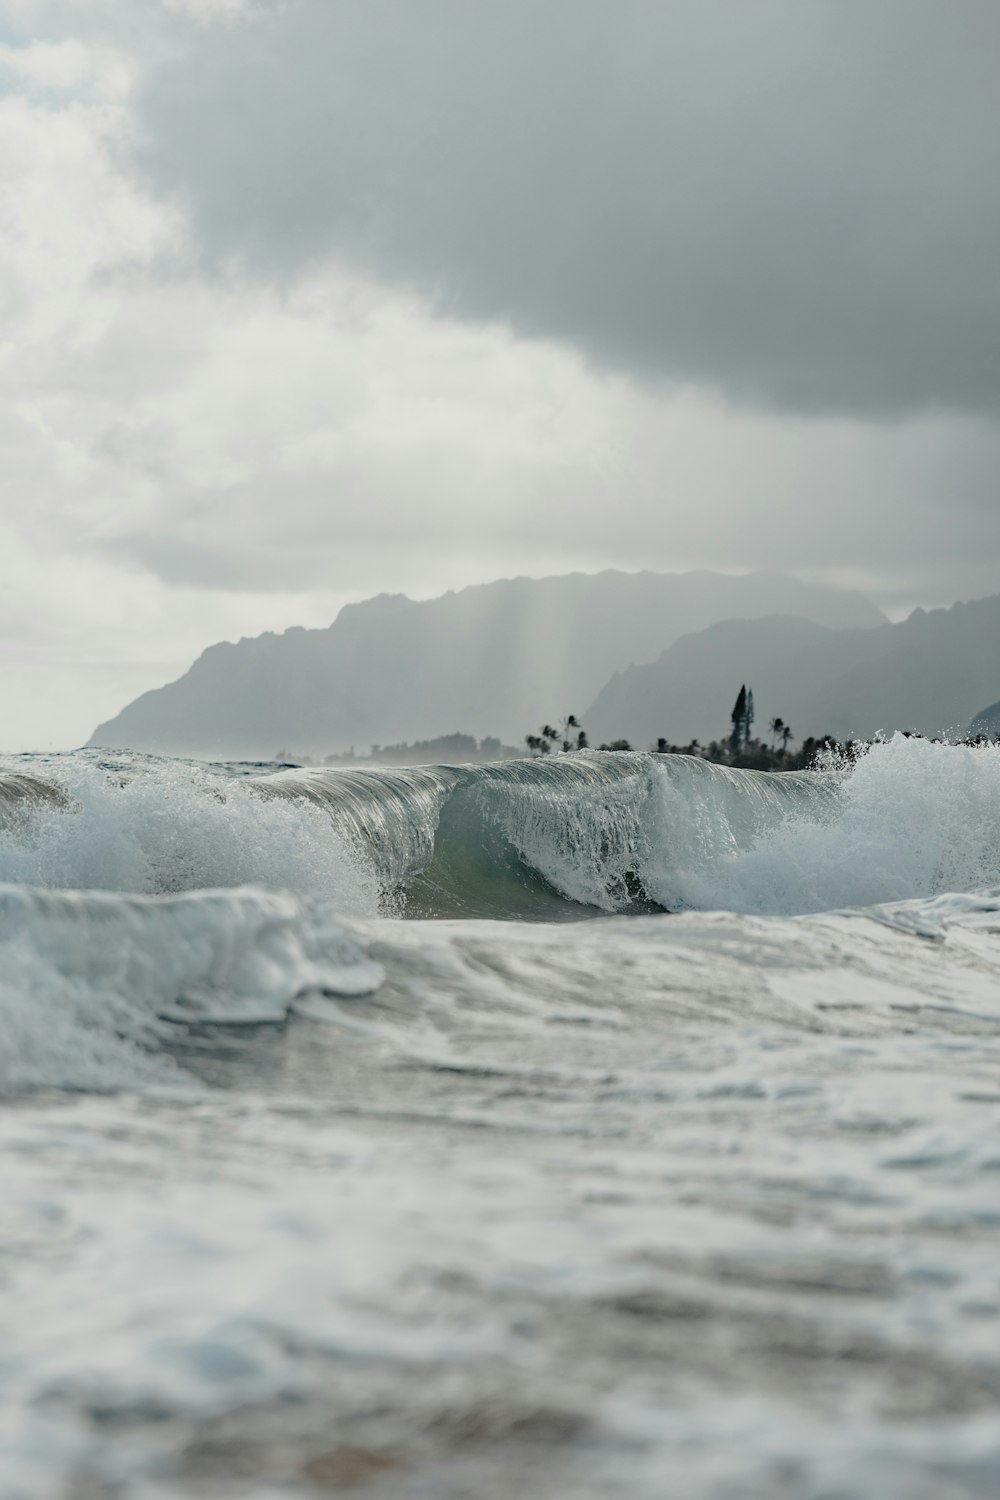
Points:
(144, 825)
(911, 820)
(543, 839)
(619, 832)
(93, 985)
(565, 837)
(126, 910)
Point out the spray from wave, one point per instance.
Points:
(157, 827)
(911, 819)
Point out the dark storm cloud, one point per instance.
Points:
(795, 201)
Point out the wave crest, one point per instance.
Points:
(546, 839)
(92, 984)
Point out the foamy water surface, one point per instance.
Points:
(616, 1125)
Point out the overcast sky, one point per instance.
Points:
(305, 300)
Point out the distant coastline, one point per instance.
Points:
(457, 748)
(740, 750)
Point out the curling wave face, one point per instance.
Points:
(611, 832)
(545, 839)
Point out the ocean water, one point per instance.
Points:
(604, 1126)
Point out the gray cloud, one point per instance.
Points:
(796, 201)
(793, 202)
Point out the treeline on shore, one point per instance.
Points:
(740, 748)
(749, 754)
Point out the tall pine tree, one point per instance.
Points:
(738, 717)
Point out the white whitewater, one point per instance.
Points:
(614, 1125)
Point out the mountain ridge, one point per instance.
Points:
(926, 673)
(491, 659)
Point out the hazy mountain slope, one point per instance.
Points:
(987, 721)
(929, 673)
(493, 659)
(689, 691)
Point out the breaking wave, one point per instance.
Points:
(910, 820)
(560, 838)
(138, 896)
(157, 827)
(586, 833)
(93, 984)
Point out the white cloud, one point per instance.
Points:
(72, 65)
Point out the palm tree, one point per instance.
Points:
(548, 738)
(786, 734)
(776, 727)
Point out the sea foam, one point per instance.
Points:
(149, 826)
(911, 819)
(92, 983)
